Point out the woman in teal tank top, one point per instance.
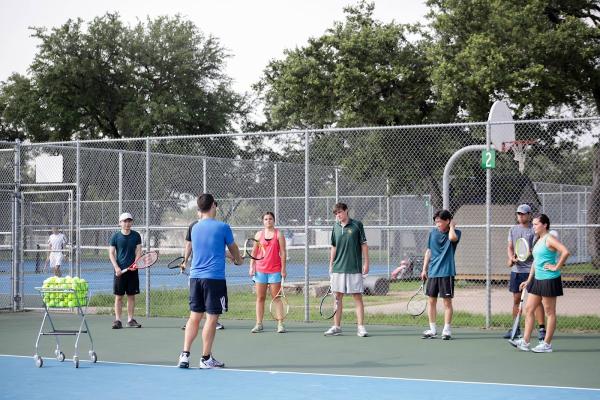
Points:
(544, 283)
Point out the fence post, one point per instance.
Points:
(306, 205)
(78, 208)
(204, 185)
(275, 199)
(15, 297)
(147, 216)
(120, 182)
(488, 238)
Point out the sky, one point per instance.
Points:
(253, 31)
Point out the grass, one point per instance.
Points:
(174, 303)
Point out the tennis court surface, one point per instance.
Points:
(392, 363)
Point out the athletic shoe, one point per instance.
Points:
(133, 324)
(362, 331)
(520, 344)
(183, 327)
(429, 334)
(542, 347)
(508, 334)
(220, 326)
(281, 328)
(211, 363)
(117, 325)
(446, 335)
(184, 360)
(542, 334)
(333, 331)
(257, 328)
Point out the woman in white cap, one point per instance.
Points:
(125, 247)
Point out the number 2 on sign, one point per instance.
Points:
(488, 159)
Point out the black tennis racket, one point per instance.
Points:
(328, 306)
(418, 302)
(176, 268)
(254, 249)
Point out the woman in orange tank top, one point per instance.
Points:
(270, 270)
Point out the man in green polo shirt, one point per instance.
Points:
(347, 266)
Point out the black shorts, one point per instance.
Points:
(516, 278)
(546, 287)
(128, 283)
(440, 287)
(208, 295)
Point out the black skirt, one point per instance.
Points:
(546, 287)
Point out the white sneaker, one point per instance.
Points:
(184, 360)
(542, 347)
(257, 328)
(220, 326)
(520, 344)
(333, 331)
(446, 334)
(281, 328)
(211, 363)
(429, 334)
(362, 331)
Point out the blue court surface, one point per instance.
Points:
(106, 380)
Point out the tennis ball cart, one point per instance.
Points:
(60, 294)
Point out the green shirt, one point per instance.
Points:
(348, 240)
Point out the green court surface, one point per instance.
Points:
(390, 351)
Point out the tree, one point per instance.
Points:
(540, 55)
(156, 78)
(360, 72)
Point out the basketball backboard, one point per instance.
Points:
(501, 133)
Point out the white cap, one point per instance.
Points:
(125, 216)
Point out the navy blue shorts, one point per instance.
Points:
(440, 287)
(208, 295)
(516, 278)
(128, 283)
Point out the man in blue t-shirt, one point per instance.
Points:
(208, 290)
(125, 248)
(439, 270)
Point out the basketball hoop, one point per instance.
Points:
(519, 148)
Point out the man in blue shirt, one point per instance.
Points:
(439, 269)
(208, 290)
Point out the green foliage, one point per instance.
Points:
(539, 55)
(159, 77)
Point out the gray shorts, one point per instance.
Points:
(346, 283)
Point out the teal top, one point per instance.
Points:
(542, 255)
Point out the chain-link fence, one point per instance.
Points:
(391, 179)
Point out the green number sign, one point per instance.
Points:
(488, 159)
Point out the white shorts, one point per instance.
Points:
(56, 258)
(346, 283)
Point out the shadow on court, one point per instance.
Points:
(390, 351)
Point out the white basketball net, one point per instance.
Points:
(519, 149)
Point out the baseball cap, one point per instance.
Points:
(524, 209)
(125, 216)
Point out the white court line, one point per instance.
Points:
(391, 378)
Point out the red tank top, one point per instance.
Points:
(272, 261)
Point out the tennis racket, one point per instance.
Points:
(175, 266)
(144, 261)
(522, 249)
(418, 302)
(328, 306)
(517, 322)
(254, 249)
(279, 306)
